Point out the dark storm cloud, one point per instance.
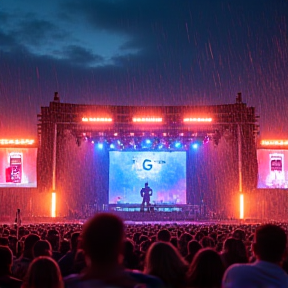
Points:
(6, 41)
(29, 32)
(168, 53)
(34, 31)
(80, 56)
(149, 24)
(169, 34)
(4, 17)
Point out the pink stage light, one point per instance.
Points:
(147, 119)
(206, 140)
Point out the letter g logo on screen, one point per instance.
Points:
(147, 166)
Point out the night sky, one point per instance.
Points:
(143, 52)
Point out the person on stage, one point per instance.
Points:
(146, 192)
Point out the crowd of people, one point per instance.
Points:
(106, 252)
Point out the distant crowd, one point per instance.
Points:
(106, 252)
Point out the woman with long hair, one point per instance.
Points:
(206, 270)
(234, 251)
(43, 272)
(165, 262)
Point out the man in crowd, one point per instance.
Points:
(66, 263)
(6, 279)
(20, 266)
(269, 248)
(103, 243)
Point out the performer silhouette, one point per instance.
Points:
(146, 192)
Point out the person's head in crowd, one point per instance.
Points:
(6, 260)
(43, 272)
(29, 242)
(207, 241)
(64, 246)
(239, 234)
(13, 243)
(75, 240)
(213, 235)
(53, 238)
(174, 242)
(164, 235)
(103, 244)
(5, 232)
(103, 240)
(153, 238)
(130, 260)
(136, 237)
(4, 241)
(219, 246)
(198, 236)
(234, 251)
(193, 247)
(270, 243)
(128, 247)
(143, 238)
(206, 269)
(182, 243)
(165, 262)
(21, 232)
(144, 246)
(42, 248)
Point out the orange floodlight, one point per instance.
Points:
(17, 141)
(241, 206)
(274, 142)
(197, 120)
(97, 119)
(53, 205)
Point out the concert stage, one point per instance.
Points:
(91, 158)
(160, 212)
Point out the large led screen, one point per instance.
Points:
(18, 167)
(272, 168)
(165, 173)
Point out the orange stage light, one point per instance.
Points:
(53, 205)
(196, 120)
(97, 119)
(17, 141)
(241, 206)
(274, 142)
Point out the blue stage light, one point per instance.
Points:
(146, 144)
(178, 144)
(195, 145)
(112, 146)
(100, 145)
